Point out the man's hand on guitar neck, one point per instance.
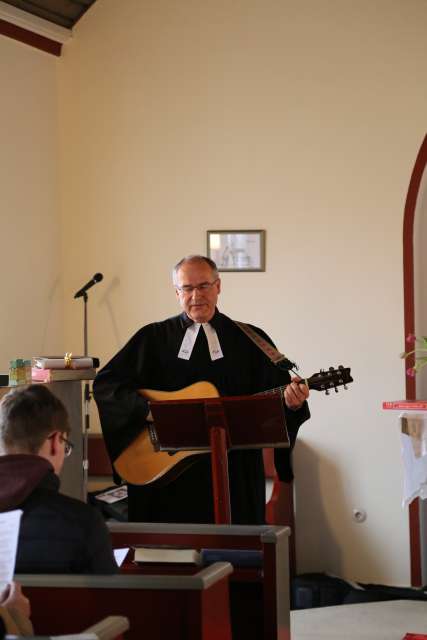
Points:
(295, 394)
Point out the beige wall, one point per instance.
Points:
(300, 118)
(31, 309)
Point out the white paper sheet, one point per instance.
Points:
(120, 555)
(414, 456)
(9, 530)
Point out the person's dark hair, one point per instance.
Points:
(194, 258)
(28, 415)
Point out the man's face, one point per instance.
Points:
(199, 304)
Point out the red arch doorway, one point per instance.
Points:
(409, 317)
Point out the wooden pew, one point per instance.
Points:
(279, 509)
(192, 607)
(110, 628)
(259, 597)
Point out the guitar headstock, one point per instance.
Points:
(330, 379)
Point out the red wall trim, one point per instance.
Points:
(28, 37)
(409, 311)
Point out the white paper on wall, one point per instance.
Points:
(414, 456)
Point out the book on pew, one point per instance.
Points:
(166, 554)
(59, 375)
(236, 557)
(204, 557)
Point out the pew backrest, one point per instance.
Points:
(185, 607)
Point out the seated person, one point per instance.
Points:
(15, 612)
(58, 534)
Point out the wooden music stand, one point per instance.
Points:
(218, 425)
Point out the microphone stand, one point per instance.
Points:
(86, 399)
(82, 293)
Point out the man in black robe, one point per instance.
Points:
(201, 344)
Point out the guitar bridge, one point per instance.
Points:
(153, 437)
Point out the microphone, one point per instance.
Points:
(96, 278)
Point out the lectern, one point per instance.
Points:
(219, 425)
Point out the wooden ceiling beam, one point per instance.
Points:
(29, 37)
(32, 30)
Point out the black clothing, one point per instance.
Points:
(150, 360)
(58, 534)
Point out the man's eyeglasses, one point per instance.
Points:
(188, 288)
(68, 445)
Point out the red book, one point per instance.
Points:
(415, 636)
(406, 405)
(58, 375)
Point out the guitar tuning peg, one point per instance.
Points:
(336, 389)
(326, 392)
(345, 387)
(341, 367)
(331, 368)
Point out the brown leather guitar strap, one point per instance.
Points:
(271, 352)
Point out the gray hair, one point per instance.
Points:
(194, 259)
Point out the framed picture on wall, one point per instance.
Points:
(234, 250)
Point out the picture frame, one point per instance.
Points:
(237, 250)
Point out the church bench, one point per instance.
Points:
(259, 596)
(192, 607)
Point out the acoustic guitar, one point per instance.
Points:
(142, 463)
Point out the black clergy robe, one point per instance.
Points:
(150, 360)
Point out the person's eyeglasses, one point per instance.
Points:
(68, 445)
(188, 288)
